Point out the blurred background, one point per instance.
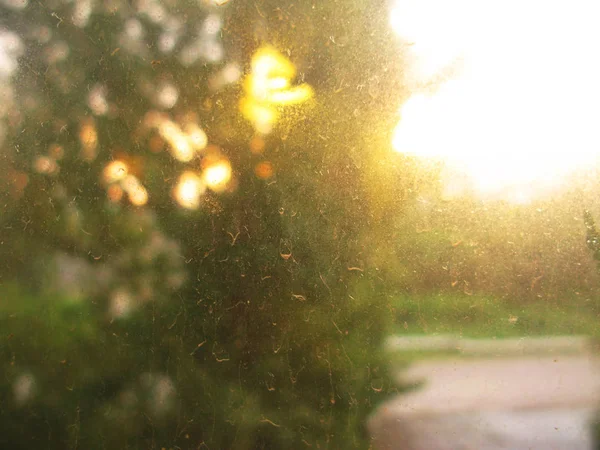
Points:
(212, 212)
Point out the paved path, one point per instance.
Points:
(502, 383)
(493, 403)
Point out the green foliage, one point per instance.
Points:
(592, 236)
(514, 253)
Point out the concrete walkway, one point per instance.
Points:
(502, 399)
(555, 345)
(502, 383)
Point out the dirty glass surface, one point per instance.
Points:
(235, 224)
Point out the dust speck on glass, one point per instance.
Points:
(284, 224)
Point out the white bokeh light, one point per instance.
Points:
(167, 95)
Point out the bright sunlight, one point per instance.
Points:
(506, 92)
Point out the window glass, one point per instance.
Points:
(236, 224)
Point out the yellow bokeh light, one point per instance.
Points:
(513, 117)
(277, 83)
(295, 95)
(268, 87)
(267, 62)
(188, 190)
(183, 145)
(114, 171)
(130, 183)
(196, 136)
(139, 197)
(262, 116)
(136, 192)
(88, 136)
(216, 175)
(181, 148)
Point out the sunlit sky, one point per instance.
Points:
(522, 107)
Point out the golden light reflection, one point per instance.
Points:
(181, 148)
(257, 145)
(512, 116)
(274, 84)
(196, 136)
(88, 136)
(188, 190)
(268, 86)
(216, 174)
(290, 96)
(262, 116)
(183, 145)
(136, 192)
(114, 193)
(45, 165)
(139, 197)
(264, 170)
(114, 171)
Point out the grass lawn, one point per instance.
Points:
(480, 316)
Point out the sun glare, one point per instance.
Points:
(520, 112)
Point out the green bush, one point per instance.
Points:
(253, 321)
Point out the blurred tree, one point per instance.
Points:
(592, 237)
(192, 280)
